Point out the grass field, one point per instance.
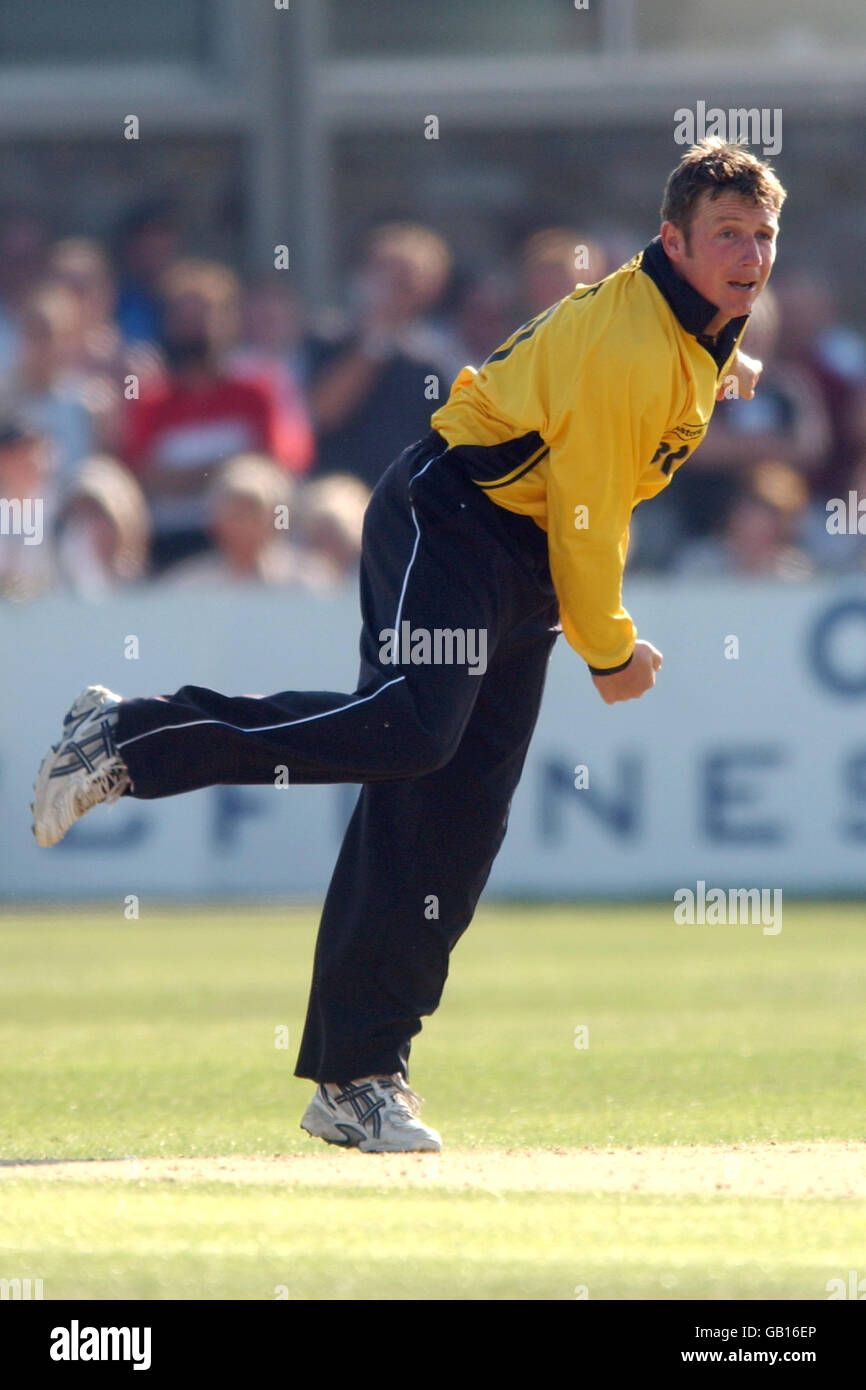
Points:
(707, 1143)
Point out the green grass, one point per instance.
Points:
(157, 1037)
(161, 1240)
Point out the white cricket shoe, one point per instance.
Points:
(80, 771)
(377, 1114)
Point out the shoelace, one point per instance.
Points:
(111, 781)
(112, 778)
(400, 1094)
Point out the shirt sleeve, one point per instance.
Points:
(601, 444)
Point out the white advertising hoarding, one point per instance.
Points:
(746, 766)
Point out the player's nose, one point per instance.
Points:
(751, 255)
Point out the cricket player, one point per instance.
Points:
(506, 524)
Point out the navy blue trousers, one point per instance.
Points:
(438, 744)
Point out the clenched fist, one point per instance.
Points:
(634, 680)
(747, 370)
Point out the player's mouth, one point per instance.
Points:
(743, 285)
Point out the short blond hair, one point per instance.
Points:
(716, 166)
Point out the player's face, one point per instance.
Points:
(730, 253)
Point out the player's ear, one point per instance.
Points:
(673, 241)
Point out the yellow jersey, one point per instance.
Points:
(586, 410)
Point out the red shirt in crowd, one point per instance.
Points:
(181, 425)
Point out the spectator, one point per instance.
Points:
(82, 267)
(373, 385)
(554, 260)
(271, 357)
(22, 255)
(273, 325)
(245, 505)
(760, 536)
(146, 246)
(26, 509)
(179, 432)
(102, 530)
(786, 421)
(104, 361)
(834, 358)
(330, 525)
(483, 316)
(44, 384)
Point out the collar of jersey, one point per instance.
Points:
(691, 308)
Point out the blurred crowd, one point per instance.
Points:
(183, 427)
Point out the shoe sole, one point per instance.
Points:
(43, 780)
(337, 1143)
